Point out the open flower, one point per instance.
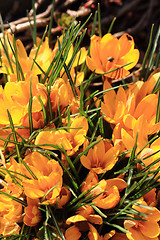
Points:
(129, 113)
(48, 182)
(150, 155)
(85, 216)
(144, 230)
(107, 191)
(131, 128)
(101, 158)
(109, 53)
(116, 105)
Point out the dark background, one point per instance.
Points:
(133, 16)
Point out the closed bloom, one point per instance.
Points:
(119, 236)
(71, 140)
(108, 53)
(17, 101)
(10, 211)
(32, 213)
(61, 91)
(62, 94)
(72, 233)
(64, 197)
(42, 54)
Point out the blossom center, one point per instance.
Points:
(110, 59)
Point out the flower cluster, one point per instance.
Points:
(77, 164)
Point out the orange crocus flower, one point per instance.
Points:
(101, 158)
(8, 227)
(17, 101)
(32, 213)
(62, 94)
(108, 190)
(126, 132)
(81, 223)
(135, 115)
(72, 233)
(150, 198)
(116, 105)
(43, 56)
(10, 210)
(80, 56)
(16, 170)
(4, 133)
(108, 53)
(118, 236)
(90, 181)
(61, 91)
(147, 107)
(128, 106)
(128, 135)
(86, 212)
(142, 89)
(144, 230)
(48, 182)
(151, 154)
(64, 197)
(71, 140)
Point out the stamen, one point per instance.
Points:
(110, 59)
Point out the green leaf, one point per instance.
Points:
(150, 61)
(14, 134)
(111, 26)
(36, 54)
(146, 54)
(43, 110)
(94, 23)
(30, 109)
(116, 226)
(34, 28)
(56, 223)
(51, 21)
(99, 21)
(14, 198)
